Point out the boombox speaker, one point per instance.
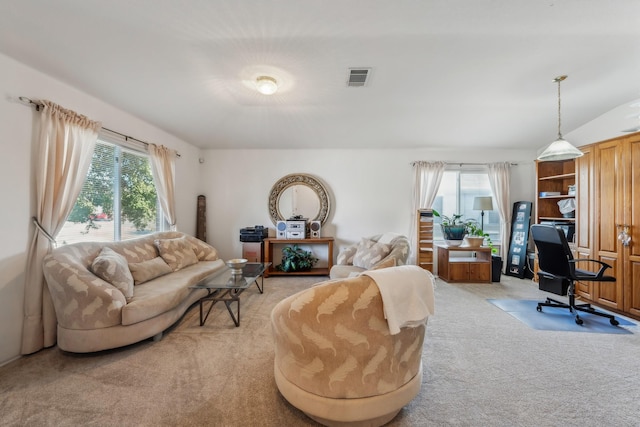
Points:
(281, 229)
(314, 226)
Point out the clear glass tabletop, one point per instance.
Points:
(224, 279)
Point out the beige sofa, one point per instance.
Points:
(371, 252)
(340, 358)
(111, 294)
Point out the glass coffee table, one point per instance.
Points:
(227, 287)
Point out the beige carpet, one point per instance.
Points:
(482, 368)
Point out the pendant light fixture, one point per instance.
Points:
(559, 149)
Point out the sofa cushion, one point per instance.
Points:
(178, 253)
(157, 296)
(112, 267)
(369, 253)
(147, 270)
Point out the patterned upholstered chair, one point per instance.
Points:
(335, 356)
(370, 253)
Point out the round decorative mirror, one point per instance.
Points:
(299, 194)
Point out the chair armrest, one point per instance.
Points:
(600, 272)
(81, 299)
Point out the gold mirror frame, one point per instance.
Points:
(298, 179)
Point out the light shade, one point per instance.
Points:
(560, 150)
(266, 85)
(483, 203)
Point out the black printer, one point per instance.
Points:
(254, 234)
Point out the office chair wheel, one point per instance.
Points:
(614, 322)
(579, 321)
(539, 308)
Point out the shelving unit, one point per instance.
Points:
(271, 244)
(554, 177)
(424, 231)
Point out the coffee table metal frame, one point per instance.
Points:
(227, 287)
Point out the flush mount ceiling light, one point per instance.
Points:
(560, 149)
(266, 85)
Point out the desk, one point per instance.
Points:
(462, 268)
(269, 246)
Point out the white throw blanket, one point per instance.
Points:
(407, 295)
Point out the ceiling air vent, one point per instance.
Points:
(358, 77)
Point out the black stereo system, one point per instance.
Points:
(254, 234)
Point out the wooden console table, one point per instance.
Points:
(321, 271)
(464, 269)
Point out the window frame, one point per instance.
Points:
(121, 146)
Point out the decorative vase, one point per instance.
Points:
(454, 234)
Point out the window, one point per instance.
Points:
(118, 200)
(455, 195)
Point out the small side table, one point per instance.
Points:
(464, 269)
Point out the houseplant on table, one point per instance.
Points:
(454, 228)
(296, 259)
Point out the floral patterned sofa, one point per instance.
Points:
(370, 253)
(111, 294)
(348, 352)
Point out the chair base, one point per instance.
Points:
(373, 411)
(574, 308)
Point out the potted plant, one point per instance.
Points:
(475, 235)
(453, 228)
(296, 259)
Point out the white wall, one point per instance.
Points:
(16, 140)
(608, 125)
(371, 190)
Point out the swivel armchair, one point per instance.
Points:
(556, 262)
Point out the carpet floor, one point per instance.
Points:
(558, 319)
(481, 368)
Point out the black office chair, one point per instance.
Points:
(555, 262)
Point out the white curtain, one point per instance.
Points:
(163, 168)
(65, 148)
(499, 181)
(427, 178)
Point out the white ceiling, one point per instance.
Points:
(446, 73)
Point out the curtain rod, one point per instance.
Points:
(39, 105)
(469, 164)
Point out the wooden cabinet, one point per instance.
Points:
(455, 266)
(607, 176)
(270, 246)
(424, 246)
(252, 251)
(552, 185)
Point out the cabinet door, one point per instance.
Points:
(459, 271)
(479, 272)
(584, 214)
(632, 205)
(608, 192)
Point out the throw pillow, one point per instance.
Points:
(369, 253)
(178, 253)
(345, 257)
(203, 250)
(147, 270)
(112, 267)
